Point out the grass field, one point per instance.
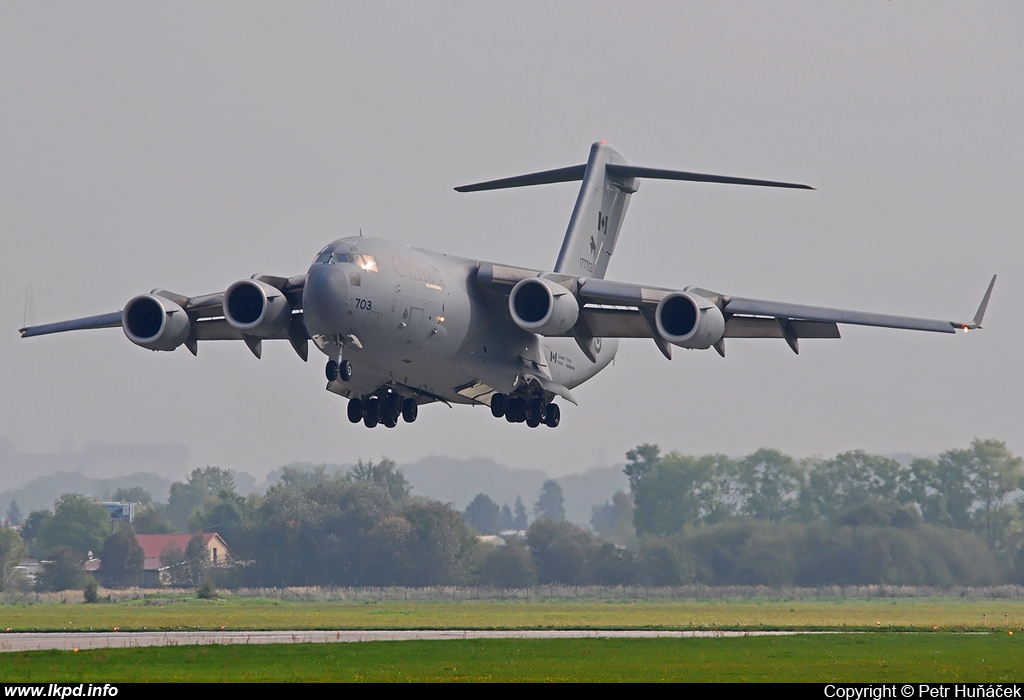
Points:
(865, 657)
(898, 639)
(842, 614)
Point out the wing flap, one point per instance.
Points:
(748, 327)
(607, 322)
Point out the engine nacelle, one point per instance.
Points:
(154, 322)
(542, 306)
(689, 321)
(256, 308)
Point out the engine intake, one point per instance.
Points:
(154, 322)
(256, 308)
(689, 321)
(542, 306)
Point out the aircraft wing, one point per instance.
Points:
(614, 309)
(206, 319)
(609, 309)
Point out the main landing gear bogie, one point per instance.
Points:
(386, 409)
(532, 410)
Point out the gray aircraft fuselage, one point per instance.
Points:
(414, 317)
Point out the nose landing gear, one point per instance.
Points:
(338, 370)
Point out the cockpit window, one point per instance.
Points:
(366, 263)
(332, 258)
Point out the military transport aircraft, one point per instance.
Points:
(404, 327)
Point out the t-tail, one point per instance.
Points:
(608, 182)
(597, 217)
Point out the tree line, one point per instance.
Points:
(856, 518)
(763, 519)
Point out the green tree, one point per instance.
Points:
(122, 559)
(187, 496)
(614, 521)
(12, 552)
(172, 561)
(14, 516)
(506, 521)
(680, 490)
(149, 520)
(519, 517)
(296, 478)
(78, 522)
(980, 485)
(134, 494)
(483, 514)
(510, 566)
(386, 558)
(384, 474)
(850, 478)
(186, 567)
(551, 503)
(564, 552)
(769, 485)
(62, 570)
(612, 565)
(661, 562)
(440, 543)
(197, 558)
(30, 531)
(639, 461)
(224, 514)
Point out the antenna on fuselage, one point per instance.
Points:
(360, 231)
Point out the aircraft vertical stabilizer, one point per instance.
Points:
(597, 217)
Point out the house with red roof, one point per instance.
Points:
(155, 573)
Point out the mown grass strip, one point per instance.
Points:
(262, 614)
(871, 657)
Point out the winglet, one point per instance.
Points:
(976, 323)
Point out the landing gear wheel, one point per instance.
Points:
(391, 409)
(345, 370)
(355, 410)
(331, 370)
(498, 405)
(371, 412)
(410, 410)
(553, 416)
(515, 412)
(532, 419)
(536, 408)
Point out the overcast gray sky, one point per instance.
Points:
(189, 145)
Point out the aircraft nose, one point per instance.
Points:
(324, 297)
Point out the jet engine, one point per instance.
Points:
(542, 306)
(154, 322)
(256, 308)
(689, 321)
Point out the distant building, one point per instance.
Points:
(120, 512)
(153, 546)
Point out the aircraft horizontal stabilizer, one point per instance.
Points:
(547, 177)
(621, 171)
(628, 171)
